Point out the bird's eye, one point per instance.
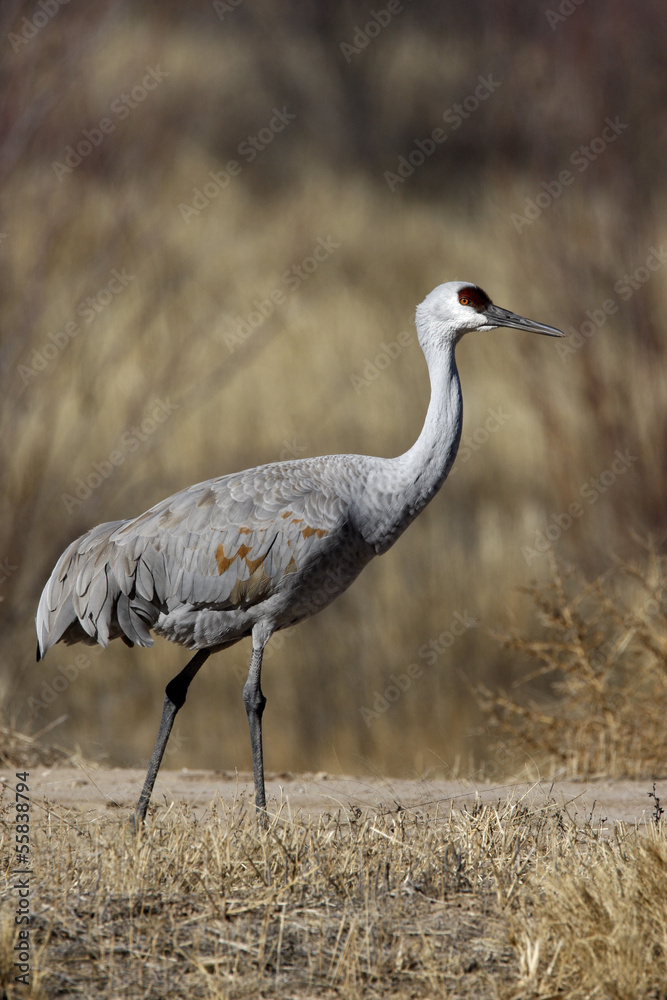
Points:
(464, 300)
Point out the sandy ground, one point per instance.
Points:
(96, 790)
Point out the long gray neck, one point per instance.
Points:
(399, 488)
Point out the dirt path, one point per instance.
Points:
(98, 789)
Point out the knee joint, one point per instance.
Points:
(253, 700)
(176, 694)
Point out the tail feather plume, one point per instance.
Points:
(83, 600)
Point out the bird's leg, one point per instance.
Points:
(174, 698)
(254, 702)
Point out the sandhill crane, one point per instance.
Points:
(257, 551)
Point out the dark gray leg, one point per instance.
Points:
(174, 698)
(254, 702)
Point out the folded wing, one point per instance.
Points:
(224, 544)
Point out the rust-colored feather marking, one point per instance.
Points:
(291, 566)
(252, 564)
(222, 561)
(286, 513)
(245, 531)
(308, 531)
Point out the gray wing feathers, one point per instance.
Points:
(75, 582)
(222, 544)
(135, 617)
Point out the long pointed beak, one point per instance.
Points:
(503, 317)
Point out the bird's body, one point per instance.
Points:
(253, 552)
(204, 566)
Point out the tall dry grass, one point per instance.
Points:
(288, 388)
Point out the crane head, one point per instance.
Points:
(459, 306)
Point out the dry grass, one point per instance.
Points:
(29, 750)
(501, 901)
(599, 928)
(21, 750)
(603, 648)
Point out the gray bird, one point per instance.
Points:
(257, 551)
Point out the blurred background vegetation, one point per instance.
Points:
(317, 104)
